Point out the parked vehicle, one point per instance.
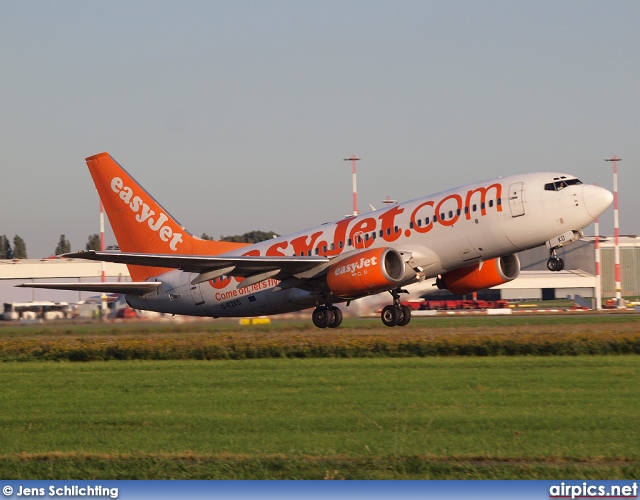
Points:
(35, 310)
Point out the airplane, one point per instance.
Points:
(466, 238)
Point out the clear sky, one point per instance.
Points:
(236, 115)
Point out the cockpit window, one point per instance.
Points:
(561, 183)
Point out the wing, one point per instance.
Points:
(133, 288)
(253, 268)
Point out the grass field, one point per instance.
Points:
(495, 417)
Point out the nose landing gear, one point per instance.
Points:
(554, 263)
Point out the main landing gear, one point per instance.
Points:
(396, 314)
(327, 316)
(554, 263)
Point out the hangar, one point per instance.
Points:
(547, 285)
(17, 271)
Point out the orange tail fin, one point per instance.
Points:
(140, 223)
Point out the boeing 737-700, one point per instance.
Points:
(466, 237)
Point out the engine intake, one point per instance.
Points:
(366, 272)
(480, 276)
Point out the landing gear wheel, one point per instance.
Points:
(390, 315)
(554, 263)
(337, 317)
(322, 317)
(405, 316)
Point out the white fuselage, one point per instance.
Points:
(438, 233)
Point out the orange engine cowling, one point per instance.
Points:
(480, 276)
(366, 272)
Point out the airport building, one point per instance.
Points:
(17, 271)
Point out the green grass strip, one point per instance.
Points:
(498, 417)
(188, 467)
(323, 344)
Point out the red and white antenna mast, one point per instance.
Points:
(616, 231)
(389, 201)
(596, 229)
(353, 161)
(103, 298)
(104, 277)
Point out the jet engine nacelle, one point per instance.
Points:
(366, 272)
(480, 276)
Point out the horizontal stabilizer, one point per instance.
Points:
(132, 288)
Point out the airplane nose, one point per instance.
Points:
(596, 199)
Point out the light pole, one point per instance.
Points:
(616, 231)
(389, 201)
(103, 274)
(102, 240)
(353, 161)
(598, 278)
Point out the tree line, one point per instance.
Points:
(18, 251)
(19, 248)
(250, 237)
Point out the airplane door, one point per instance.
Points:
(515, 199)
(196, 293)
